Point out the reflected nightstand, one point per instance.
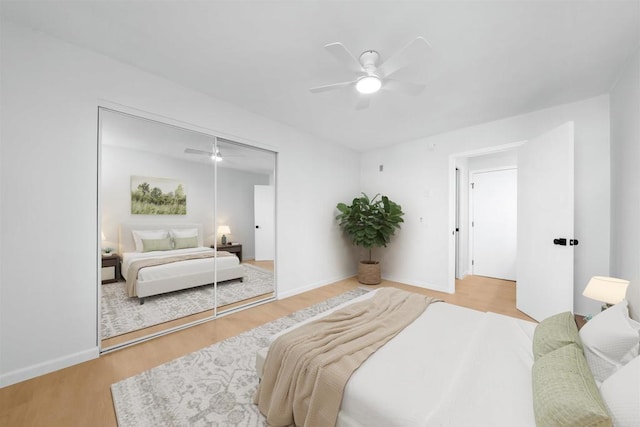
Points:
(110, 268)
(234, 248)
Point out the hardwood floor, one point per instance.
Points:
(267, 265)
(80, 395)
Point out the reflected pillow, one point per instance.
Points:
(611, 339)
(138, 235)
(149, 245)
(185, 242)
(184, 232)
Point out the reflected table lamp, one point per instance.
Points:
(224, 230)
(606, 289)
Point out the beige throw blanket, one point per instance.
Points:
(306, 370)
(134, 268)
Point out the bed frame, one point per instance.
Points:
(161, 286)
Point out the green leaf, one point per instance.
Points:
(370, 222)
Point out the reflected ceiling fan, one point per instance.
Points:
(214, 156)
(371, 76)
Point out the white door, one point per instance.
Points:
(545, 213)
(494, 223)
(264, 217)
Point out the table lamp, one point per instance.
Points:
(606, 289)
(224, 230)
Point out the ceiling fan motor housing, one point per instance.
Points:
(369, 59)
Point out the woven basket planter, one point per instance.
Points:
(369, 273)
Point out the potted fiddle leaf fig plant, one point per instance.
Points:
(370, 223)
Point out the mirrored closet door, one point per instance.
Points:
(164, 264)
(245, 207)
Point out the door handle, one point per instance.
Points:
(561, 241)
(257, 226)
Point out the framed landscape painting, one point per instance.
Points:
(157, 196)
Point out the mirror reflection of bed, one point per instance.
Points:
(176, 282)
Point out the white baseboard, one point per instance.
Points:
(463, 274)
(418, 283)
(33, 371)
(296, 291)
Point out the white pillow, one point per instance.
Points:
(138, 235)
(633, 298)
(610, 340)
(184, 232)
(621, 394)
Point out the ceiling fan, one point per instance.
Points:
(371, 76)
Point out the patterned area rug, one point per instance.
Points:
(121, 314)
(210, 387)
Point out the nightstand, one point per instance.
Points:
(110, 268)
(234, 248)
(580, 321)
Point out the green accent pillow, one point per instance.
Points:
(564, 391)
(555, 332)
(149, 245)
(185, 242)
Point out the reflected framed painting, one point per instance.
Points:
(157, 196)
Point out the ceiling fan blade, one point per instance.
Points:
(342, 54)
(363, 102)
(404, 56)
(331, 87)
(406, 88)
(200, 152)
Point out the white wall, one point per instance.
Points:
(48, 278)
(625, 173)
(416, 175)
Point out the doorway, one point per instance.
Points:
(460, 164)
(465, 165)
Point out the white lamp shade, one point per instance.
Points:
(103, 237)
(224, 229)
(606, 289)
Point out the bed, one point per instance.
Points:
(205, 267)
(455, 366)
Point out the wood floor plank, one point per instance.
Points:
(80, 395)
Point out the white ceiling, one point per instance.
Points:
(489, 59)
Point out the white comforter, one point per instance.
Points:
(453, 366)
(175, 269)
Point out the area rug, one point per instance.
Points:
(121, 314)
(210, 387)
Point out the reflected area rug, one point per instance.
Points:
(210, 387)
(121, 314)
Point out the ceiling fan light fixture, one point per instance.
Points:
(216, 156)
(368, 84)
